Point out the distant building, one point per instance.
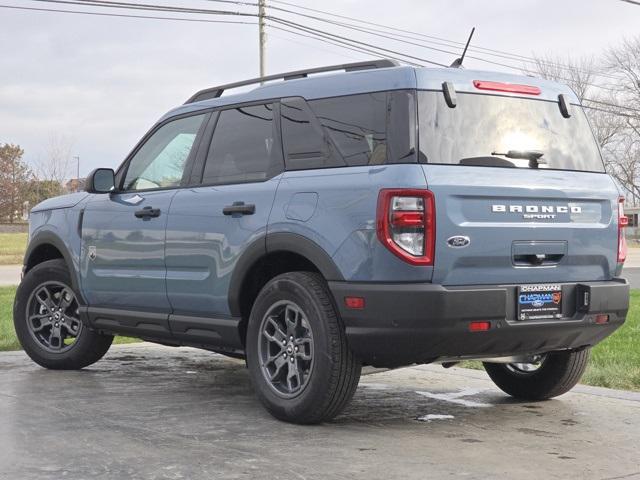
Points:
(74, 185)
(632, 232)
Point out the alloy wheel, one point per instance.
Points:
(285, 348)
(53, 317)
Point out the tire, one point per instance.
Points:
(558, 373)
(46, 281)
(333, 371)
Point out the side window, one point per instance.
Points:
(303, 137)
(357, 127)
(244, 147)
(364, 129)
(160, 162)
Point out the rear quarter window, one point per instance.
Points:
(365, 129)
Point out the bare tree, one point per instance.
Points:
(611, 108)
(624, 61)
(57, 163)
(578, 73)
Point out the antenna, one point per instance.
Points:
(457, 63)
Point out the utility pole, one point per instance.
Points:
(262, 36)
(77, 158)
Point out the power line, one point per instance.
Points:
(344, 45)
(614, 105)
(632, 2)
(519, 69)
(290, 38)
(345, 41)
(448, 42)
(156, 7)
(120, 4)
(321, 33)
(121, 15)
(145, 6)
(617, 114)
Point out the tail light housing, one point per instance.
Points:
(406, 224)
(623, 221)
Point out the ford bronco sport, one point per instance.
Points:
(376, 214)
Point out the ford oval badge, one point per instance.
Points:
(458, 241)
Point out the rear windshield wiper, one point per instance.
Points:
(486, 161)
(534, 156)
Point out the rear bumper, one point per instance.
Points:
(403, 324)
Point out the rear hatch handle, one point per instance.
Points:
(536, 253)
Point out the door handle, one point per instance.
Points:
(147, 212)
(240, 208)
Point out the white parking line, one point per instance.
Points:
(456, 397)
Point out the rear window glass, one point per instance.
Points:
(365, 129)
(482, 128)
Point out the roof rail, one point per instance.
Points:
(215, 92)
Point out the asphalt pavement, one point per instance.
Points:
(156, 412)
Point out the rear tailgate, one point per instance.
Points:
(523, 225)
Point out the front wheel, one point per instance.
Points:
(47, 322)
(548, 376)
(299, 361)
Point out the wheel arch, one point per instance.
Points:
(269, 256)
(48, 246)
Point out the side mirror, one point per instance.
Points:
(101, 180)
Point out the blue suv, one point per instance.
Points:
(362, 214)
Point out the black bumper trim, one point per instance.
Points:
(410, 323)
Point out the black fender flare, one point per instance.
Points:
(50, 238)
(278, 242)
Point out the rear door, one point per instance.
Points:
(505, 219)
(211, 224)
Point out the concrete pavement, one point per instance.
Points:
(155, 412)
(10, 275)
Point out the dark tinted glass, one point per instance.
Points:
(304, 141)
(357, 127)
(482, 125)
(365, 129)
(243, 148)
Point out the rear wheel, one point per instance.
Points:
(547, 376)
(298, 357)
(47, 322)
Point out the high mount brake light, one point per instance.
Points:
(623, 221)
(507, 87)
(406, 224)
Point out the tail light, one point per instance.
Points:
(623, 221)
(406, 224)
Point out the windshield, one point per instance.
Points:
(486, 130)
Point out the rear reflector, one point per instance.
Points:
(602, 319)
(506, 87)
(354, 303)
(479, 326)
(623, 221)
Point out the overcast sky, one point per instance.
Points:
(99, 83)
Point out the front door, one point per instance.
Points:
(123, 233)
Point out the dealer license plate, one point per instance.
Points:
(539, 302)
